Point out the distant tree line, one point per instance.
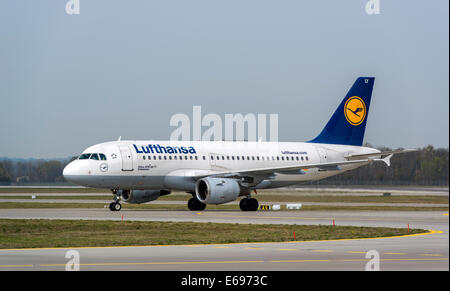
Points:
(31, 171)
(428, 166)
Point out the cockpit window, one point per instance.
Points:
(84, 156)
(94, 157)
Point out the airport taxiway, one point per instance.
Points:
(418, 252)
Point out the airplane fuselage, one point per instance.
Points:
(170, 164)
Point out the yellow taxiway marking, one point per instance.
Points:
(322, 251)
(222, 247)
(430, 231)
(416, 259)
(355, 252)
(241, 262)
(446, 214)
(298, 261)
(287, 249)
(431, 255)
(250, 248)
(400, 254)
(359, 260)
(15, 266)
(156, 263)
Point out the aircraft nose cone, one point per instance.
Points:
(70, 172)
(79, 173)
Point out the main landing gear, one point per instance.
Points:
(195, 205)
(115, 205)
(249, 204)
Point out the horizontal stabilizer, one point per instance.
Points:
(379, 155)
(386, 160)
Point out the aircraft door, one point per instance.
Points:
(127, 158)
(322, 154)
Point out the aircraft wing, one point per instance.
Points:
(267, 172)
(264, 173)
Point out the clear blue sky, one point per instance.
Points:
(123, 68)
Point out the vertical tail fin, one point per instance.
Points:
(348, 123)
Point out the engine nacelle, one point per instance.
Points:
(217, 190)
(141, 196)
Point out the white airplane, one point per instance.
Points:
(217, 172)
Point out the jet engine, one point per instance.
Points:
(141, 196)
(217, 190)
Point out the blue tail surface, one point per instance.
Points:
(348, 123)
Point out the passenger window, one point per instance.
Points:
(94, 157)
(196, 158)
(306, 157)
(287, 158)
(143, 157)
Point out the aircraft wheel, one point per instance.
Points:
(115, 206)
(195, 205)
(249, 204)
(243, 204)
(252, 204)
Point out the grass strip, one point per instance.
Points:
(52, 190)
(263, 198)
(40, 233)
(155, 206)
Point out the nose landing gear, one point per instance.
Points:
(115, 205)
